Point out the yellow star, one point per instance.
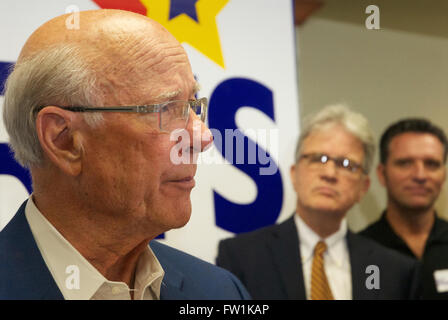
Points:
(203, 36)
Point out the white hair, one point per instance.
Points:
(58, 75)
(355, 123)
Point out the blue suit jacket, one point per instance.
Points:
(24, 274)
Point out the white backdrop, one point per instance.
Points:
(243, 55)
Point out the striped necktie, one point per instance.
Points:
(320, 289)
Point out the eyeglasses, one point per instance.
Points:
(346, 164)
(171, 115)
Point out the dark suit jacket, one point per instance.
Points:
(268, 262)
(24, 274)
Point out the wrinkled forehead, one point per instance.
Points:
(156, 80)
(131, 56)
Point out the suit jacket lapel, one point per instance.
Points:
(285, 252)
(171, 288)
(173, 280)
(359, 260)
(31, 275)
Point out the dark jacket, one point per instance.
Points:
(268, 262)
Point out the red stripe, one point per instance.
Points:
(128, 5)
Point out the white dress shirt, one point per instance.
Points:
(336, 259)
(77, 279)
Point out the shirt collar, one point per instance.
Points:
(391, 239)
(67, 265)
(308, 240)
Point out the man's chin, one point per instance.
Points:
(414, 203)
(329, 206)
(329, 209)
(181, 217)
(182, 221)
(172, 225)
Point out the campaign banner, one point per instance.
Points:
(242, 54)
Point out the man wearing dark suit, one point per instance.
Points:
(313, 255)
(413, 155)
(104, 183)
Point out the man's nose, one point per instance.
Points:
(419, 173)
(201, 136)
(329, 171)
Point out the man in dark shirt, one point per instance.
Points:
(413, 154)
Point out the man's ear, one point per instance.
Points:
(366, 185)
(380, 172)
(59, 138)
(292, 173)
(363, 188)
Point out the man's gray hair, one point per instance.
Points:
(58, 75)
(355, 123)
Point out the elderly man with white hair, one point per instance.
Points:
(90, 111)
(313, 255)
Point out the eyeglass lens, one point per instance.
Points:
(343, 163)
(175, 115)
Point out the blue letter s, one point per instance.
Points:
(225, 101)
